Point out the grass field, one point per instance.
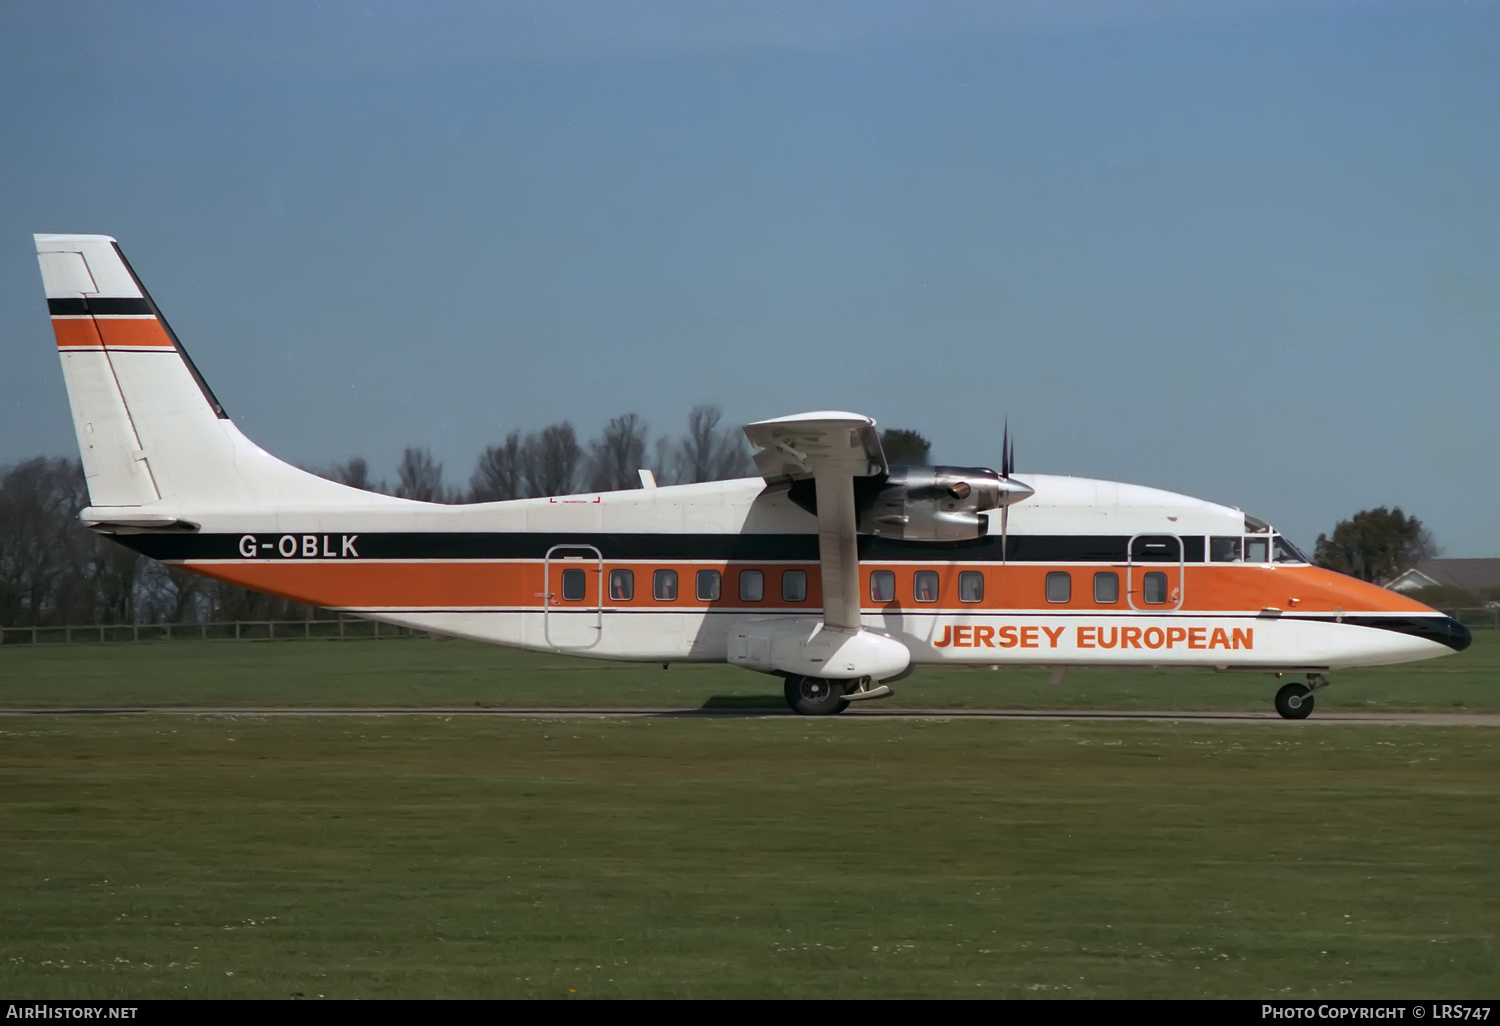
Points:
(162, 856)
(420, 672)
(239, 855)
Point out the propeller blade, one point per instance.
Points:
(1004, 532)
(1005, 449)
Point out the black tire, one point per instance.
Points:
(814, 696)
(1294, 701)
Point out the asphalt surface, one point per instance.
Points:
(1424, 719)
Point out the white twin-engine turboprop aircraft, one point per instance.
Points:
(833, 570)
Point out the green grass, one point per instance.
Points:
(393, 856)
(454, 673)
(415, 857)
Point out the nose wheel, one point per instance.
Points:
(1295, 701)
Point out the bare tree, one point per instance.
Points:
(37, 561)
(500, 473)
(419, 476)
(97, 581)
(618, 455)
(224, 602)
(663, 464)
(52, 569)
(168, 595)
(550, 460)
(354, 472)
(707, 453)
(116, 576)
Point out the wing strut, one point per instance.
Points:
(838, 549)
(833, 448)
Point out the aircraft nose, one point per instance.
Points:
(1458, 637)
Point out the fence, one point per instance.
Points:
(1476, 616)
(238, 630)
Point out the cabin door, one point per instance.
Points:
(1155, 573)
(573, 614)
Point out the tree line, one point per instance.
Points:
(553, 461)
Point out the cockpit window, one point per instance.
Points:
(1253, 549)
(1224, 550)
(1283, 551)
(1255, 525)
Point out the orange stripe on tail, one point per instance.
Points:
(133, 332)
(76, 333)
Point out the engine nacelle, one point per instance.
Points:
(923, 504)
(936, 504)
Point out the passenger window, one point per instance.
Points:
(883, 586)
(1059, 586)
(1257, 550)
(574, 585)
(794, 586)
(1154, 588)
(621, 585)
(752, 586)
(708, 585)
(664, 585)
(924, 587)
(1224, 550)
(1106, 588)
(971, 586)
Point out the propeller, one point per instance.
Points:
(1007, 467)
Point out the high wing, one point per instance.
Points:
(805, 443)
(833, 448)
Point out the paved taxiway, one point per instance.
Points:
(1422, 719)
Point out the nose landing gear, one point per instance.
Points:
(1295, 701)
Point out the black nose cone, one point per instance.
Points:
(1459, 637)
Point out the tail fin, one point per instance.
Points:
(149, 428)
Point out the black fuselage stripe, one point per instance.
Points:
(725, 547)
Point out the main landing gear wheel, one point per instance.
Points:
(1294, 701)
(814, 696)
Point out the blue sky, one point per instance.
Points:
(1248, 251)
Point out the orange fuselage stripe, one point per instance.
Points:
(421, 584)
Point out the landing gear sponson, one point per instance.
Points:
(1295, 701)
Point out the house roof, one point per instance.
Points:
(1470, 574)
